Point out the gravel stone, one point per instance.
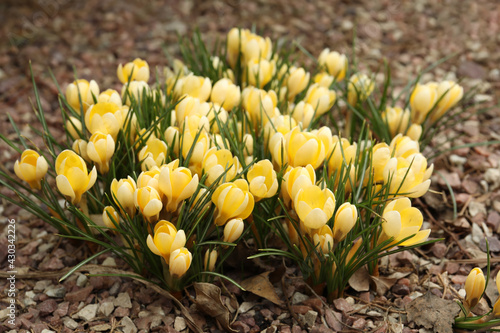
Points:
(87, 313)
(123, 300)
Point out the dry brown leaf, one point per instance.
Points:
(360, 280)
(384, 283)
(208, 299)
(261, 286)
(433, 312)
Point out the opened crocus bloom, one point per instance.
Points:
(176, 184)
(400, 221)
(153, 154)
(123, 194)
(166, 239)
(218, 161)
(314, 206)
(397, 119)
(232, 200)
(320, 98)
(72, 177)
(323, 239)
(359, 88)
(296, 179)
(197, 87)
(262, 179)
(106, 118)
(81, 90)
(137, 70)
(226, 94)
(334, 63)
(260, 104)
(408, 177)
(31, 168)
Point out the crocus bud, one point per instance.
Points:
(110, 217)
(134, 91)
(359, 88)
(74, 127)
(32, 168)
(422, 100)
(137, 70)
(197, 87)
(149, 178)
(176, 184)
(321, 98)
(106, 118)
(414, 132)
(166, 239)
(400, 221)
(496, 306)
(297, 81)
(314, 206)
(218, 162)
(323, 239)
(172, 136)
(100, 149)
(409, 177)
(235, 41)
(81, 90)
(397, 119)
(123, 191)
(154, 153)
(260, 72)
(303, 113)
(345, 218)
(281, 124)
(255, 47)
(72, 177)
(210, 260)
(180, 261)
(110, 96)
(232, 200)
(260, 104)
(80, 147)
(262, 179)
(404, 146)
(301, 149)
(381, 155)
(474, 287)
(233, 230)
(334, 63)
(295, 179)
(449, 93)
(148, 201)
(324, 79)
(226, 94)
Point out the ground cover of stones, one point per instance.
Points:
(92, 37)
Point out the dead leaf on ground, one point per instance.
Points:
(384, 283)
(360, 280)
(208, 299)
(433, 312)
(261, 286)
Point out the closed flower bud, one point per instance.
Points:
(314, 206)
(297, 81)
(323, 239)
(449, 93)
(414, 132)
(134, 91)
(100, 149)
(260, 104)
(474, 287)
(32, 168)
(110, 96)
(154, 153)
(260, 72)
(81, 90)
(190, 106)
(235, 41)
(196, 149)
(149, 178)
(123, 191)
(72, 177)
(321, 98)
(295, 179)
(74, 127)
(166, 239)
(233, 230)
(301, 149)
(359, 88)
(397, 119)
(172, 136)
(345, 219)
(220, 162)
(381, 155)
(80, 147)
(334, 63)
(409, 177)
(324, 79)
(255, 47)
(404, 146)
(248, 145)
(281, 124)
(197, 87)
(262, 179)
(303, 113)
(176, 184)
(226, 94)
(148, 201)
(210, 260)
(110, 217)
(106, 118)
(496, 306)
(232, 200)
(180, 261)
(422, 100)
(400, 221)
(137, 70)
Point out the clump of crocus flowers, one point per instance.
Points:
(184, 168)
